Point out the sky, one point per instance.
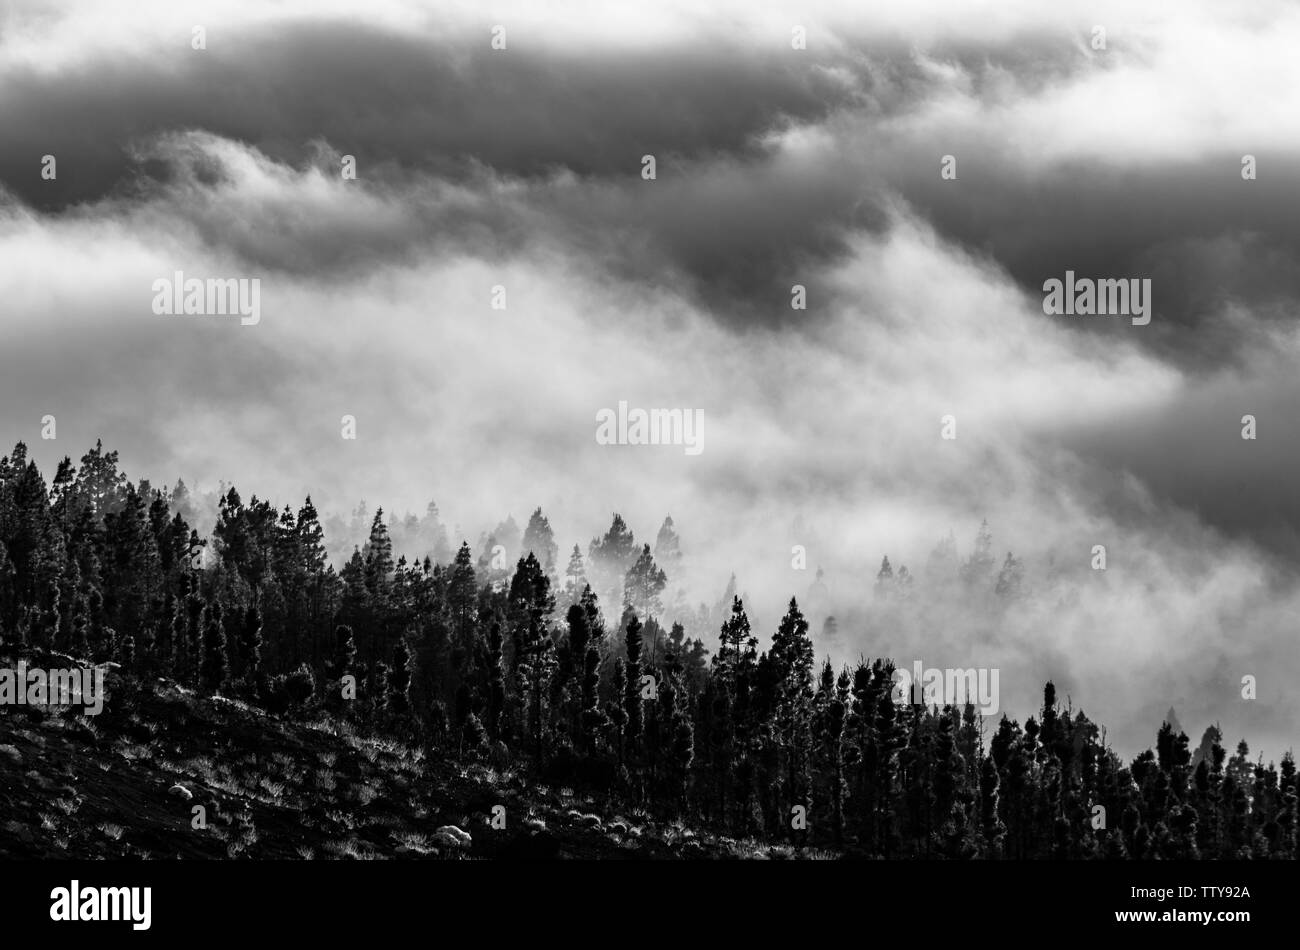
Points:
(521, 168)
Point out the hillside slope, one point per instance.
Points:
(271, 787)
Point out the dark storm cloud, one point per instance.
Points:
(1193, 454)
(420, 113)
(731, 215)
(406, 100)
(1206, 238)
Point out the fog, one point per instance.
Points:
(821, 427)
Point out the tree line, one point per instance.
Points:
(523, 668)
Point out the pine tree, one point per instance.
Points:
(575, 664)
(379, 569)
(378, 555)
(1010, 579)
(212, 673)
(177, 632)
(990, 822)
(680, 736)
(536, 666)
(462, 592)
(595, 621)
(496, 682)
(890, 740)
(99, 484)
(884, 580)
(433, 540)
(592, 719)
(833, 745)
(975, 572)
(609, 558)
(81, 628)
(1288, 817)
(399, 679)
(720, 737)
(345, 653)
(617, 710)
(539, 540)
(668, 548)
(250, 646)
(792, 660)
(575, 577)
(643, 584)
(193, 632)
(431, 681)
(950, 794)
(632, 695)
(735, 634)
(530, 591)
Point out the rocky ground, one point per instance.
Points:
(162, 773)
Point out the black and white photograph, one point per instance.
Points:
(852, 439)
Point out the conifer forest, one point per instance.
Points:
(566, 673)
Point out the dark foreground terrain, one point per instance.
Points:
(106, 786)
